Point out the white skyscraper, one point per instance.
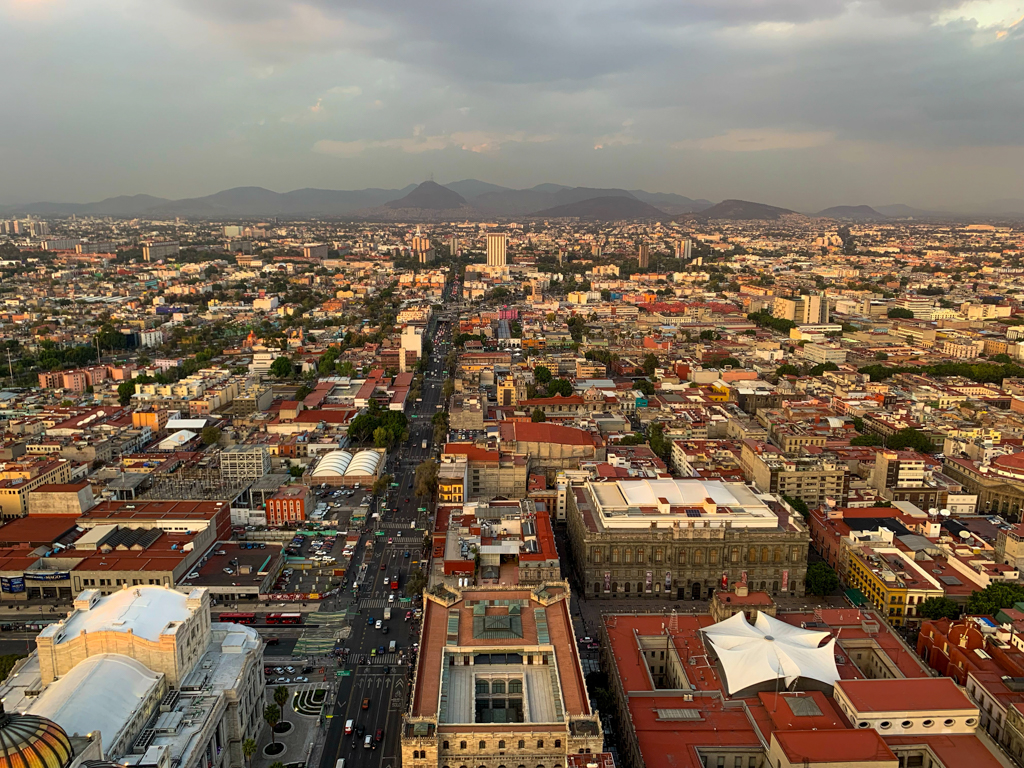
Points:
(685, 249)
(496, 243)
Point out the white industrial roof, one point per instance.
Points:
(770, 650)
(99, 693)
(363, 463)
(179, 438)
(145, 610)
(334, 463)
(622, 502)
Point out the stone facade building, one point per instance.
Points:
(683, 539)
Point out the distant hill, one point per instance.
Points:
(854, 212)
(468, 198)
(430, 196)
(742, 210)
(615, 208)
(426, 202)
(522, 202)
(670, 202)
(242, 202)
(900, 211)
(470, 188)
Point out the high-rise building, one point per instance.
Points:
(496, 244)
(685, 249)
(644, 256)
(803, 310)
(154, 251)
(453, 246)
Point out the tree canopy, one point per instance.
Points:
(821, 579)
(282, 367)
(561, 387)
(939, 608)
(992, 598)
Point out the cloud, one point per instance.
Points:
(468, 141)
(758, 141)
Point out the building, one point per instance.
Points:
(148, 670)
(819, 354)
(485, 472)
(154, 251)
(241, 464)
(683, 538)
(496, 245)
(19, 478)
(741, 693)
(906, 476)
(813, 479)
(684, 249)
(497, 542)
(643, 256)
(315, 251)
(498, 681)
(290, 504)
(803, 310)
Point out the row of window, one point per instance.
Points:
(638, 555)
(501, 744)
(117, 582)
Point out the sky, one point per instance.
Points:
(799, 103)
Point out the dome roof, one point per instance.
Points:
(30, 741)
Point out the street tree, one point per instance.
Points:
(821, 580)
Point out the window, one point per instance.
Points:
(615, 554)
(596, 555)
(444, 745)
(462, 745)
(482, 688)
(764, 554)
(659, 554)
(640, 555)
(752, 555)
(522, 744)
(558, 743)
(501, 744)
(540, 743)
(734, 556)
(483, 744)
(629, 555)
(713, 557)
(515, 686)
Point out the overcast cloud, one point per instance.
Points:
(802, 103)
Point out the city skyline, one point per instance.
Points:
(794, 104)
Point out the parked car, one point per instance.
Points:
(284, 680)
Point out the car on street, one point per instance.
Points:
(379, 734)
(379, 624)
(366, 703)
(408, 615)
(380, 650)
(284, 680)
(369, 621)
(301, 679)
(384, 631)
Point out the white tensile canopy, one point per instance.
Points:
(770, 649)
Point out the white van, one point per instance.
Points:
(368, 742)
(391, 648)
(349, 724)
(340, 763)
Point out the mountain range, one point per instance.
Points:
(472, 199)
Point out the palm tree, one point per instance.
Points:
(281, 696)
(248, 750)
(272, 714)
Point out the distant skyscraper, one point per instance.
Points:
(685, 249)
(496, 250)
(644, 257)
(453, 246)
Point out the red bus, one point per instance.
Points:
(394, 582)
(238, 618)
(284, 618)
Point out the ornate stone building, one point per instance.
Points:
(499, 682)
(682, 539)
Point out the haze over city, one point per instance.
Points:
(803, 104)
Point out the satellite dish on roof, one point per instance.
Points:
(932, 511)
(944, 513)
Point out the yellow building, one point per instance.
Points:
(892, 582)
(18, 479)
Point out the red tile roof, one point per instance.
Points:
(927, 694)
(862, 746)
